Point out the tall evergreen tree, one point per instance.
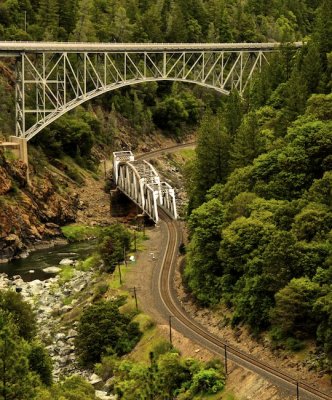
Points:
(16, 381)
(212, 152)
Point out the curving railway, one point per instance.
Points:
(170, 307)
(189, 327)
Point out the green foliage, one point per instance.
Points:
(72, 134)
(66, 274)
(174, 111)
(16, 380)
(103, 330)
(114, 242)
(21, 313)
(212, 158)
(293, 309)
(73, 388)
(273, 265)
(78, 233)
(41, 363)
(207, 381)
(168, 376)
(202, 263)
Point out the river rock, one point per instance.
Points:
(100, 394)
(94, 379)
(67, 261)
(52, 270)
(71, 333)
(60, 336)
(65, 309)
(35, 287)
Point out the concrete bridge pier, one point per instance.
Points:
(22, 152)
(121, 205)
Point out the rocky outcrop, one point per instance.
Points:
(30, 214)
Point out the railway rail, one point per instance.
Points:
(189, 327)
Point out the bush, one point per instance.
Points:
(41, 363)
(104, 331)
(294, 344)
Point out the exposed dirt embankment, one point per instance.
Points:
(31, 214)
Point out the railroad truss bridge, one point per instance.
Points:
(139, 180)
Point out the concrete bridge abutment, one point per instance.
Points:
(21, 151)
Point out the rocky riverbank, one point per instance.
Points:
(30, 214)
(52, 300)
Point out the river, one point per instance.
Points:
(47, 257)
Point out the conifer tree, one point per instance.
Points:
(16, 381)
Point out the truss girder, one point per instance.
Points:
(140, 181)
(50, 84)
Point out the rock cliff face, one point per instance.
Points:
(30, 214)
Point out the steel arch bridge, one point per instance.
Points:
(140, 181)
(53, 78)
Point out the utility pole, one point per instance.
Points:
(170, 329)
(135, 244)
(124, 255)
(226, 371)
(135, 295)
(120, 277)
(297, 391)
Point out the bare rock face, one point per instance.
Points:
(5, 182)
(29, 214)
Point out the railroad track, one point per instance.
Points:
(185, 324)
(155, 153)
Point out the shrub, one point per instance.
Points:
(103, 330)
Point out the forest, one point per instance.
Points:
(259, 187)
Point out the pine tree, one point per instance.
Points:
(246, 146)
(48, 18)
(16, 381)
(212, 151)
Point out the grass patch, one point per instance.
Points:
(144, 321)
(228, 396)
(66, 274)
(187, 154)
(78, 233)
(115, 277)
(68, 300)
(89, 263)
(149, 341)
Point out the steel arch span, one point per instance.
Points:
(53, 78)
(140, 181)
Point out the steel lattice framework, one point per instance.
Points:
(139, 180)
(53, 78)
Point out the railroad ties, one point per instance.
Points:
(140, 181)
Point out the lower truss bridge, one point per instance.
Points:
(140, 181)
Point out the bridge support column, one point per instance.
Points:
(121, 205)
(23, 152)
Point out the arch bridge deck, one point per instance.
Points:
(52, 78)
